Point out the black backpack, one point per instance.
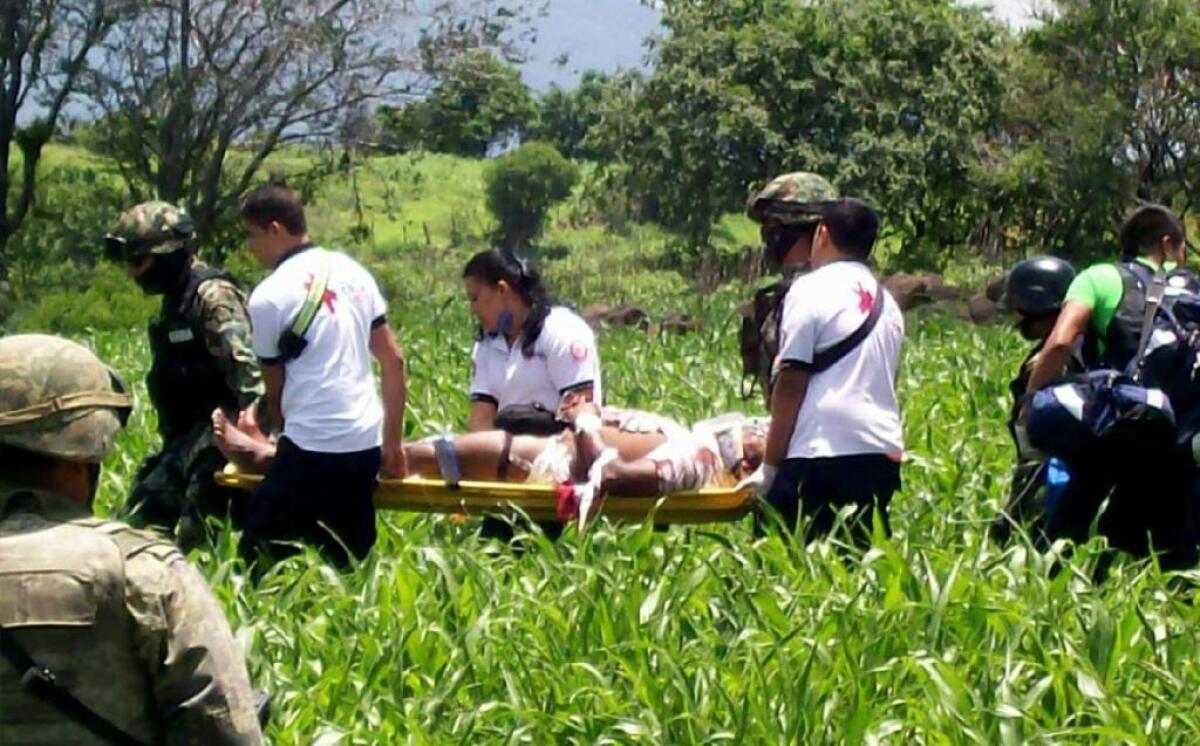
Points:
(1169, 350)
(759, 340)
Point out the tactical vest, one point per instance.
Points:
(63, 598)
(184, 381)
(759, 339)
(1125, 329)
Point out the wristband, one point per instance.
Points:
(447, 460)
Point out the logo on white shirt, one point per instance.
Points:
(327, 299)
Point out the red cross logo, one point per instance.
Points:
(327, 299)
(865, 298)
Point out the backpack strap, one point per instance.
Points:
(41, 682)
(1155, 290)
(826, 359)
(292, 341)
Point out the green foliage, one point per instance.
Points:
(884, 98)
(566, 117)
(1077, 149)
(521, 188)
(478, 99)
(707, 634)
(693, 635)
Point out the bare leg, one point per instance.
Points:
(479, 456)
(250, 452)
(631, 479)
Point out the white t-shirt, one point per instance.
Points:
(850, 408)
(330, 403)
(564, 359)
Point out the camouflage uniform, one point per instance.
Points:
(790, 201)
(125, 624)
(201, 359)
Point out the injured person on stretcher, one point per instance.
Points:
(620, 452)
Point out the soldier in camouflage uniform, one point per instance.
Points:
(788, 209)
(201, 359)
(95, 612)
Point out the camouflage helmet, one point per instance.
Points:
(785, 198)
(149, 228)
(58, 399)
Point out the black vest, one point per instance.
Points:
(1125, 330)
(184, 381)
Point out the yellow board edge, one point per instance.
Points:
(538, 501)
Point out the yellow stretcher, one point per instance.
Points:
(419, 495)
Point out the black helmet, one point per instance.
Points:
(1036, 287)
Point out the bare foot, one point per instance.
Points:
(248, 450)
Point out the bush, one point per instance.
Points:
(521, 188)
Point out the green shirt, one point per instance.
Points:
(1101, 288)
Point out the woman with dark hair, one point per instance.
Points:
(529, 352)
(532, 358)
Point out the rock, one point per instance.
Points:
(910, 290)
(621, 316)
(983, 309)
(679, 323)
(940, 292)
(995, 289)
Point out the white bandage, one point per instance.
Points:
(588, 423)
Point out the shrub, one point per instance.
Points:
(521, 188)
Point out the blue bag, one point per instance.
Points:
(1098, 413)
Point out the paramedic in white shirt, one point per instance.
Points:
(529, 352)
(336, 437)
(835, 437)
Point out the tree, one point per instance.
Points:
(200, 92)
(521, 188)
(887, 98)
(565, 117)
(44, 48)
(1075, 151)
(477, 100)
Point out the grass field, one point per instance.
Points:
(706, 634)
(696, 635)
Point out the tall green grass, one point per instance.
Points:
(707, 634)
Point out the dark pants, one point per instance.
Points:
(323, 499)
(1150, 507)
(818, 488)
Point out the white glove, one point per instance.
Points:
(761, 480)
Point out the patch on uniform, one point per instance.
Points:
(865, 298)
(180, 335)
(579, 351)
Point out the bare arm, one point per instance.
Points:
(270, 406)
(483, 416)
(395, 390)
(1050, 364)
(786, 400)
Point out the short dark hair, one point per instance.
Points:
(1144, 228)
(275, 203)
(853, 226)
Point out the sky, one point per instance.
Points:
(578, 35)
